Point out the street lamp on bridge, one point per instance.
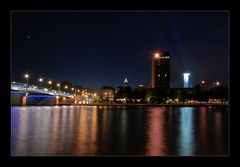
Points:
(26, 76)
(73, 90)
(50, 83)
(40, 80)
(58, 85)
(66, 88)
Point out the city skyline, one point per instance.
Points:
(93, 49)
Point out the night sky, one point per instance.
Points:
(92, 49)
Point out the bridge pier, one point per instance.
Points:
(24, 100)
(18, 99)
(57, 101)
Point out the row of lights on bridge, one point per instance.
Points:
(49, 82)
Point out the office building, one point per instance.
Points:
(161, 70)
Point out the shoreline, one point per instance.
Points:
(196, 104)
(114, 104)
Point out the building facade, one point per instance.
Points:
(161, 70)
(107, 94)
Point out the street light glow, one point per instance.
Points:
(72, 88)
(66, 87)
(58, 84)
(49, 82)
(156, 55)
(26, 75)
(40, 79)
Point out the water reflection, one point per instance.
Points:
(124, 125)
(186, 131)
(203, 130)
(91, 130)
(156, 133)
(86, 134)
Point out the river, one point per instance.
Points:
(119, 130)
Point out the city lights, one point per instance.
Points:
(118, 83)
(58, 85)
(26, 75)
(216, 84)
(156, 55)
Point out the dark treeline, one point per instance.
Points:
(157, 95)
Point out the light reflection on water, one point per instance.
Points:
(92, 130)
(156, 140)
(186, 131)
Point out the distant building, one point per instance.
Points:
(141, 86)
(161, 70)
(125, 82)
(144, 86)
(79, 89)
(183, 92)
(203, 86)
(107, 94)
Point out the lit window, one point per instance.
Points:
(165, 75)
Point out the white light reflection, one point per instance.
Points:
(186, 132)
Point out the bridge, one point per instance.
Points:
(22, 94)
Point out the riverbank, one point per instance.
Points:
(116, 104)
(178, 104)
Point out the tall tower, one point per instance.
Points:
(125, 82)
(160, 70)
(186, 80)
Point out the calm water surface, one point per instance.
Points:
(119, 130)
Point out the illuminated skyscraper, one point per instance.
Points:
(160, 70)
(186, 80)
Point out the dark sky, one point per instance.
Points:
(93, 49)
